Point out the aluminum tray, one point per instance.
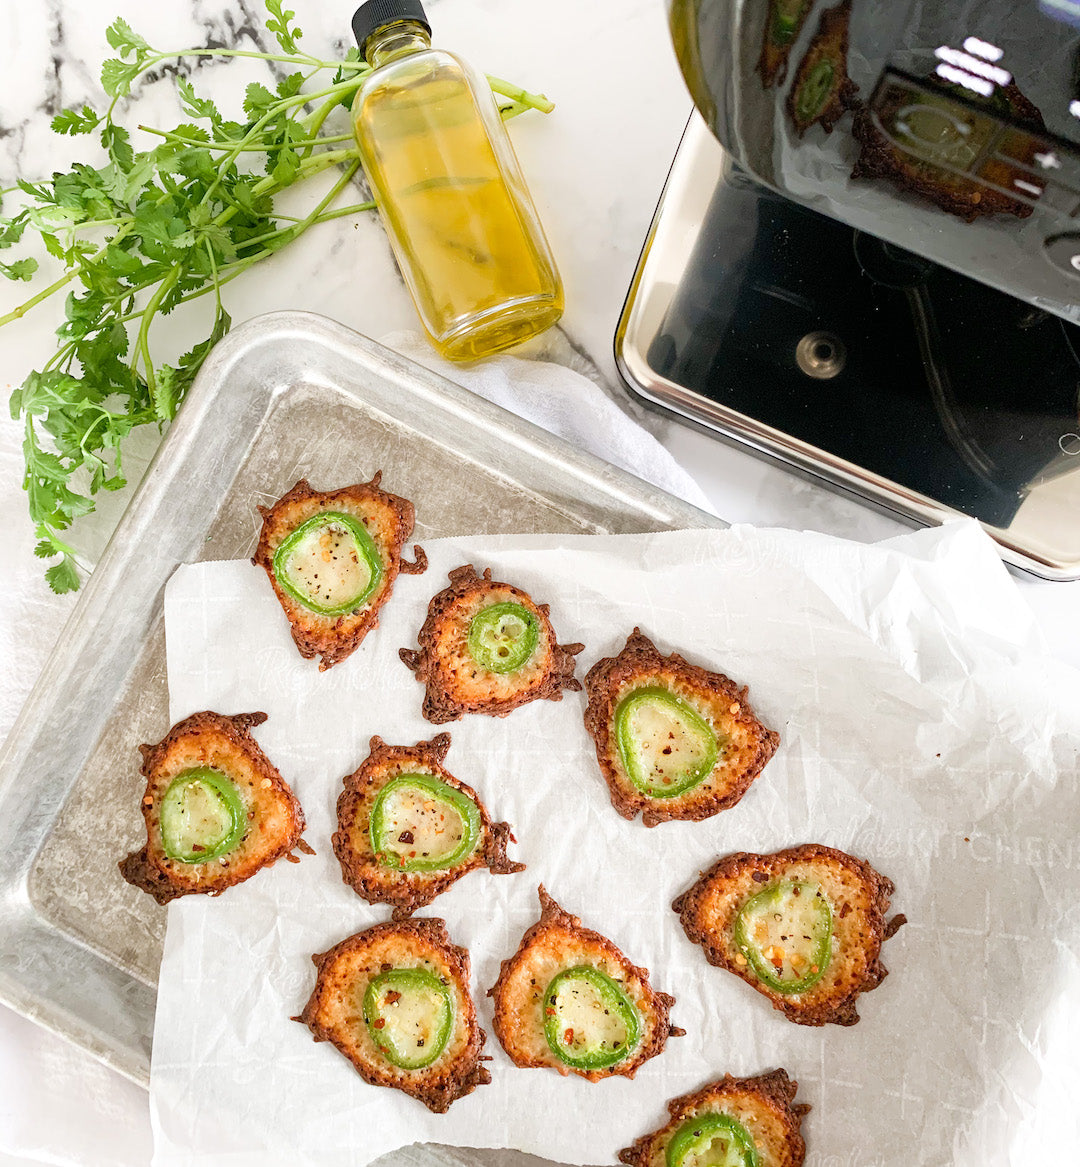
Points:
(286, 395)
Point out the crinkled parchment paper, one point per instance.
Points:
(923, 728)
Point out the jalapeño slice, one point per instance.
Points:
(202, 816)
(409, 1014)
(589, 1021)
(420, 823)
(503, 636)
(666, 748)
(814, 91)
(785, 933)
(330, 564)
(787, 15)
(712, 1140)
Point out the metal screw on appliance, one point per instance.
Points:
(821, 355)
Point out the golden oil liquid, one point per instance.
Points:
(464, 230)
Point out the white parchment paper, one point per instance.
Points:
(922, 728)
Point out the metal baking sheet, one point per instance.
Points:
(283, 396)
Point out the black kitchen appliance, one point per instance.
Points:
(869, 269)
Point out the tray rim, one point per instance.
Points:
(206, 405)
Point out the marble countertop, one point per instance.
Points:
(595, 166)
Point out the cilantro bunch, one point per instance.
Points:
(149, 230)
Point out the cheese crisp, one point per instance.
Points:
(803, 926)
(673, 740)
(741, 1122)
(408, 829)
(332, 558)
(395, 1001)
(570, 1001)
(487, 647)
(216, 810)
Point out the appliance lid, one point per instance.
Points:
(948, 127)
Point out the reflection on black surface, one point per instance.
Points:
(947, 387)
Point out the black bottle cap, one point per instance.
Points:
(376, 14)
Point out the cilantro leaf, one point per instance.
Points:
(125, 40)
(117, 76)
(62, 577)
(21, 269)
(72, 121)
(117, 141)
(174, 382)
(257, 100)
(278, 24)
(197, 107)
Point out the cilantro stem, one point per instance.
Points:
(254, 148)
(354, 209)
(21, 311)
(66, 278)
(520, 96)
(207, 51)
(142, 345)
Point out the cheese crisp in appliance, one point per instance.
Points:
(216, 810)
(408, 829)
(332, 558)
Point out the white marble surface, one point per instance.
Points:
(595, 166)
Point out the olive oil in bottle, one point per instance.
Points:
(450, 192)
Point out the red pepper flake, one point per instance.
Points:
(568, 1036)
(406, 837)
(392, 997)
(379, 1023)
(549, 1011)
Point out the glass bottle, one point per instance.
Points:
(449, 189)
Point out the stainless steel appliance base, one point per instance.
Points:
(1036, 524)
